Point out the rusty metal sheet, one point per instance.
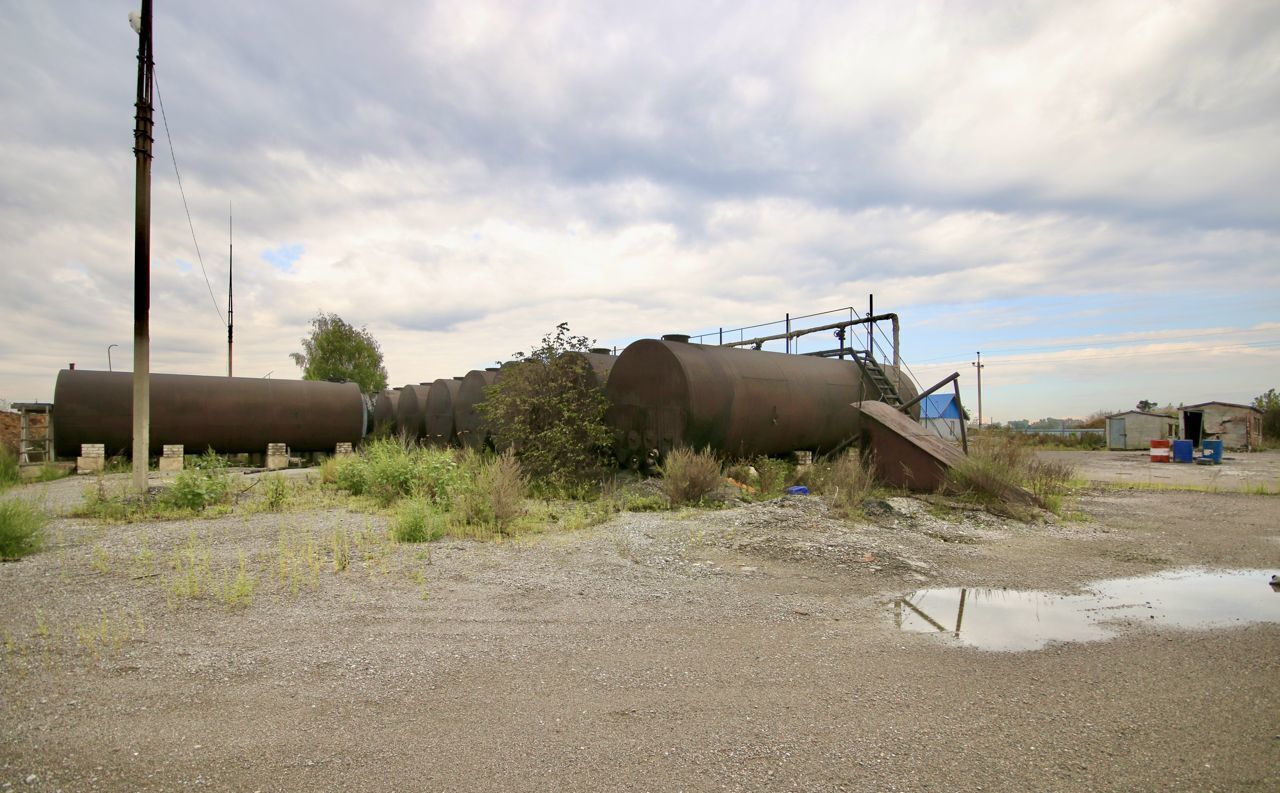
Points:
(438, 420)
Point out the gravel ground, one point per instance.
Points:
(1239, 471)
(749, 648)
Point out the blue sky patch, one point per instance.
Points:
(284, 257)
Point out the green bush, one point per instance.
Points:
(773, 475)
(21, 529)
(418, 521)
(389, 470)
(688, 477)
(549, 409)
(9, 474)
(200, 485)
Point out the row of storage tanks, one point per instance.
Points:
(662, 393)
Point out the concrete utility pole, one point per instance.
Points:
(142, 251)
(980, 366)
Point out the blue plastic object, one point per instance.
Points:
(1183, 451)
(1212, 450)
(797, 490)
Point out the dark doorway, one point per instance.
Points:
(1193, 424)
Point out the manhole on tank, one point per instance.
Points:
(1015, 620)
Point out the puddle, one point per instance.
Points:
(1011, 620)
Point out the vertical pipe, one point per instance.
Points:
(231, 279)
(142, 256)
(722, 336)
(871, 323)
(788, 340)
(964, 432)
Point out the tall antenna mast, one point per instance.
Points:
(231, 278)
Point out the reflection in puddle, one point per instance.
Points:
(1004, 619)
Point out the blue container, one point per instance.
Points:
(1183, 451)
(1212, 450)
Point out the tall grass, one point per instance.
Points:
(688, 476)
(848, 482)
(9, 475)
(1001, 468)
(21, 529)
(494, 496)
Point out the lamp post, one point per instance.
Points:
(109, 346)
(142, 250)
(980, 366)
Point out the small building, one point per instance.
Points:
(940, 414)
(1237, 426)
(1136, 429)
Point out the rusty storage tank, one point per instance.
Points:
(231, 415)
(740, 402)
(413, 398)
(438, 420)
(384, 410)
(468, 422)
(599, 362)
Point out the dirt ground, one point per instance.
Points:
(1240, 471)
(749, 648)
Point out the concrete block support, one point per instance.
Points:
(343, 450)
(171, 459)
(92, 459)
(277, 456)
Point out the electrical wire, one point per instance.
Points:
(172, 154)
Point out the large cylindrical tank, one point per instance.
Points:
(470, 425)
(438, 421)
(599, 363)
(664, 394)
(409, 411)
(384, 410)
(231, 415)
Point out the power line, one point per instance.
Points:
(1137, 354)
(1084, 346)
(221, 319)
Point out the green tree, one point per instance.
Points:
(547, 407)
(1269, 404)
(337, 351)
(1146, 405)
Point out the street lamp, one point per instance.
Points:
(109, 346)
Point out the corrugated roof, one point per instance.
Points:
(1224, 404)
(939, 406)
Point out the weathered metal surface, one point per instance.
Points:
(598, 365)
(905, 454)
(438, 421)
(410, 411)
(470, 426)
(228, 414)
(664, 394)
(384, 410)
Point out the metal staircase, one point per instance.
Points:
(878, 377)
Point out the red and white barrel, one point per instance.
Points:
(1160, 451)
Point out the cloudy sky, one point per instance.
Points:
(1086, 192)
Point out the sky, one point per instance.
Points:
(1084, 191)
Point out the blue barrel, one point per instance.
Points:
(1212, 450)
(1183, 451)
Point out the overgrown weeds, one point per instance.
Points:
(494, 496)
(21, 528)
(1000, 470)
(848, 481)
(419, 521)
(689, 476)
(388, 470)
(202, 484)
(9, 473)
